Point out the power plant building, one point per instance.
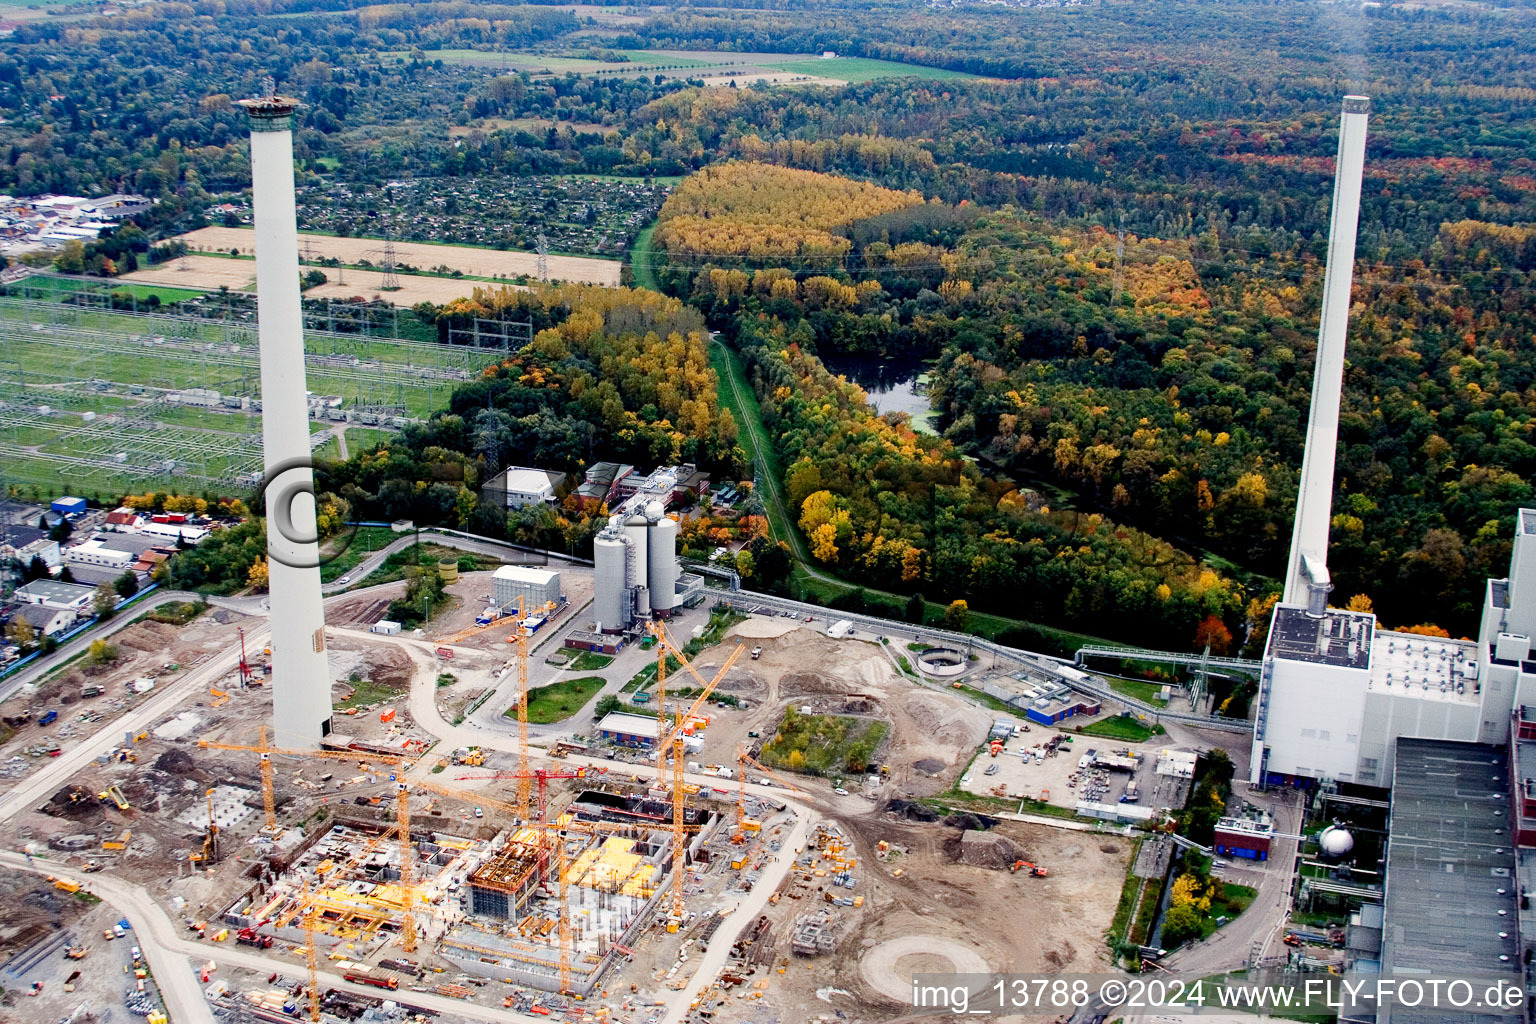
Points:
(1336, 691)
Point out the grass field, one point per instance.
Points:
(590, 661)
(86, 365)
(860, 69)
(823, 744)
(366, 691)
(559, 701)
(521, 61)
(1120, 729)
(664, 60)
(1145, 692)
(642, 261)
(364, 542)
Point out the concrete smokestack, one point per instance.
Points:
(301, 683)
(1306, 580)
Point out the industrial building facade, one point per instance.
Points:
(535, 587)
(629, 730)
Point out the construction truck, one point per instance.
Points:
(65, 884)
(112, 794)
(1035, 870)
(378, 979)
(250, 937)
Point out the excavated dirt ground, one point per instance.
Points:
(807, 668)
(1011, 922)
(146, 648)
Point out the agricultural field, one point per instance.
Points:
(714, 69)
(577, 214)
(463, 260)
(859, 69)
(239, 274)
(90, 398)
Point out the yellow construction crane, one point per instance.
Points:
(402, 807)
(556, 829)
(661, 698)
(519, 637)
(267, 751)
(674, 739)
(742, 760)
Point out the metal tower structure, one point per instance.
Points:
(543, 250)
(391, 279)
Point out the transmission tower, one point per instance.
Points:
(391, 279)
(543, 250)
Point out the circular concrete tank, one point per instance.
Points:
(663, 569)
(609, 553)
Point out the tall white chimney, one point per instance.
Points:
(301, 682)
(1306, 581)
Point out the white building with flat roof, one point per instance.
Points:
(537, 588)
(54, 594)
(529, 486)
(96, 552)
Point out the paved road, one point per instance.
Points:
(173, 691)
(1260, 925)
(122, 620)
(719, 948)
(451, 539)
(168, 951)
(153, 932)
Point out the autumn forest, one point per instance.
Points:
(1105, 250)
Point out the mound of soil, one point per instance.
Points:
(929, 766)
(966, 821)
(175, 762)
(911, 810)
(792, 683)
(945, 722)
(984, 850)
(59, 806)
(147, 636)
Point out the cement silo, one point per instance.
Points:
(610, 555)
(662, 560)
(637, 532)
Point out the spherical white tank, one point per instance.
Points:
(663, 565)
(637, 531)
(609, 553)
(1335, 841)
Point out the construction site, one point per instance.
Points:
(549, 867)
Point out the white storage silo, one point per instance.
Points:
(636, 531)
(663, 570)
(609, 600)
